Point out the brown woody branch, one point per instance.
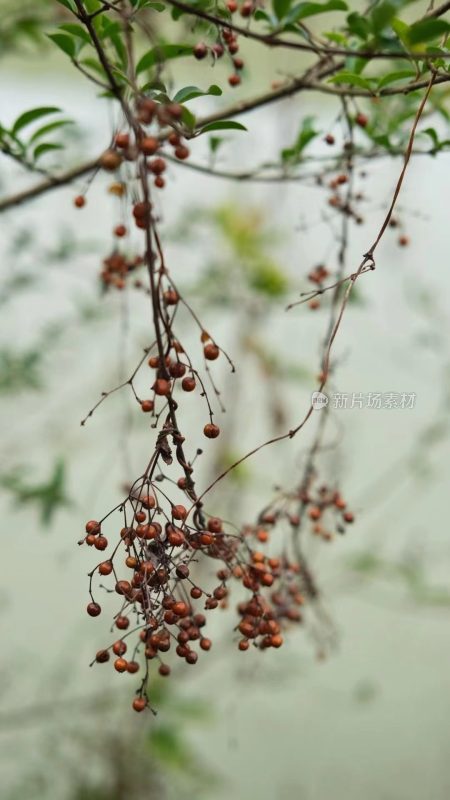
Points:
(272, 40)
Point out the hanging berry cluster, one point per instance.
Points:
(165, 539)
(155, 558)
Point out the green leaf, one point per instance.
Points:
(214, 143)
(94, 64)
(76, 30)
(70, 4)
(351, 79)
(168, 747)
(64, 42)
(382, 15)
(427, 29)
(224, 125)
(281, 8)
(188, 118)
(162, 53)
(304, 10)
(50, 127)
(392, 77)
(45, 147)
(47, 497)
(190, 92)
(138, 4)
(306, 134)
(433, 136)
(268, 279)
(358, 25)
(30, 116)
(402, 30)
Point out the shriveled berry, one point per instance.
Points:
(102, 657)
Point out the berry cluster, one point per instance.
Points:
(227, 44)
(161, 601)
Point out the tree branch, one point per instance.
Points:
(273, 40)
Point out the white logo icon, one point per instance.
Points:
(319, 400)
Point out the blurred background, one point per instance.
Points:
(371, 718)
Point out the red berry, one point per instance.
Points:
(162, 387)
(157, 166)
(211, 431)
(211, 351)
(179, 512)
(234, 80)
(181, 152)
(200, 51)
(101, 543)
(122, 140)
(120, 665)
(92, 526)
(93, 609)
(102, 657)
(147, 405)
(188, 384)
(120, 230)
(361, 120)
(79, 201)
(149, 145)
